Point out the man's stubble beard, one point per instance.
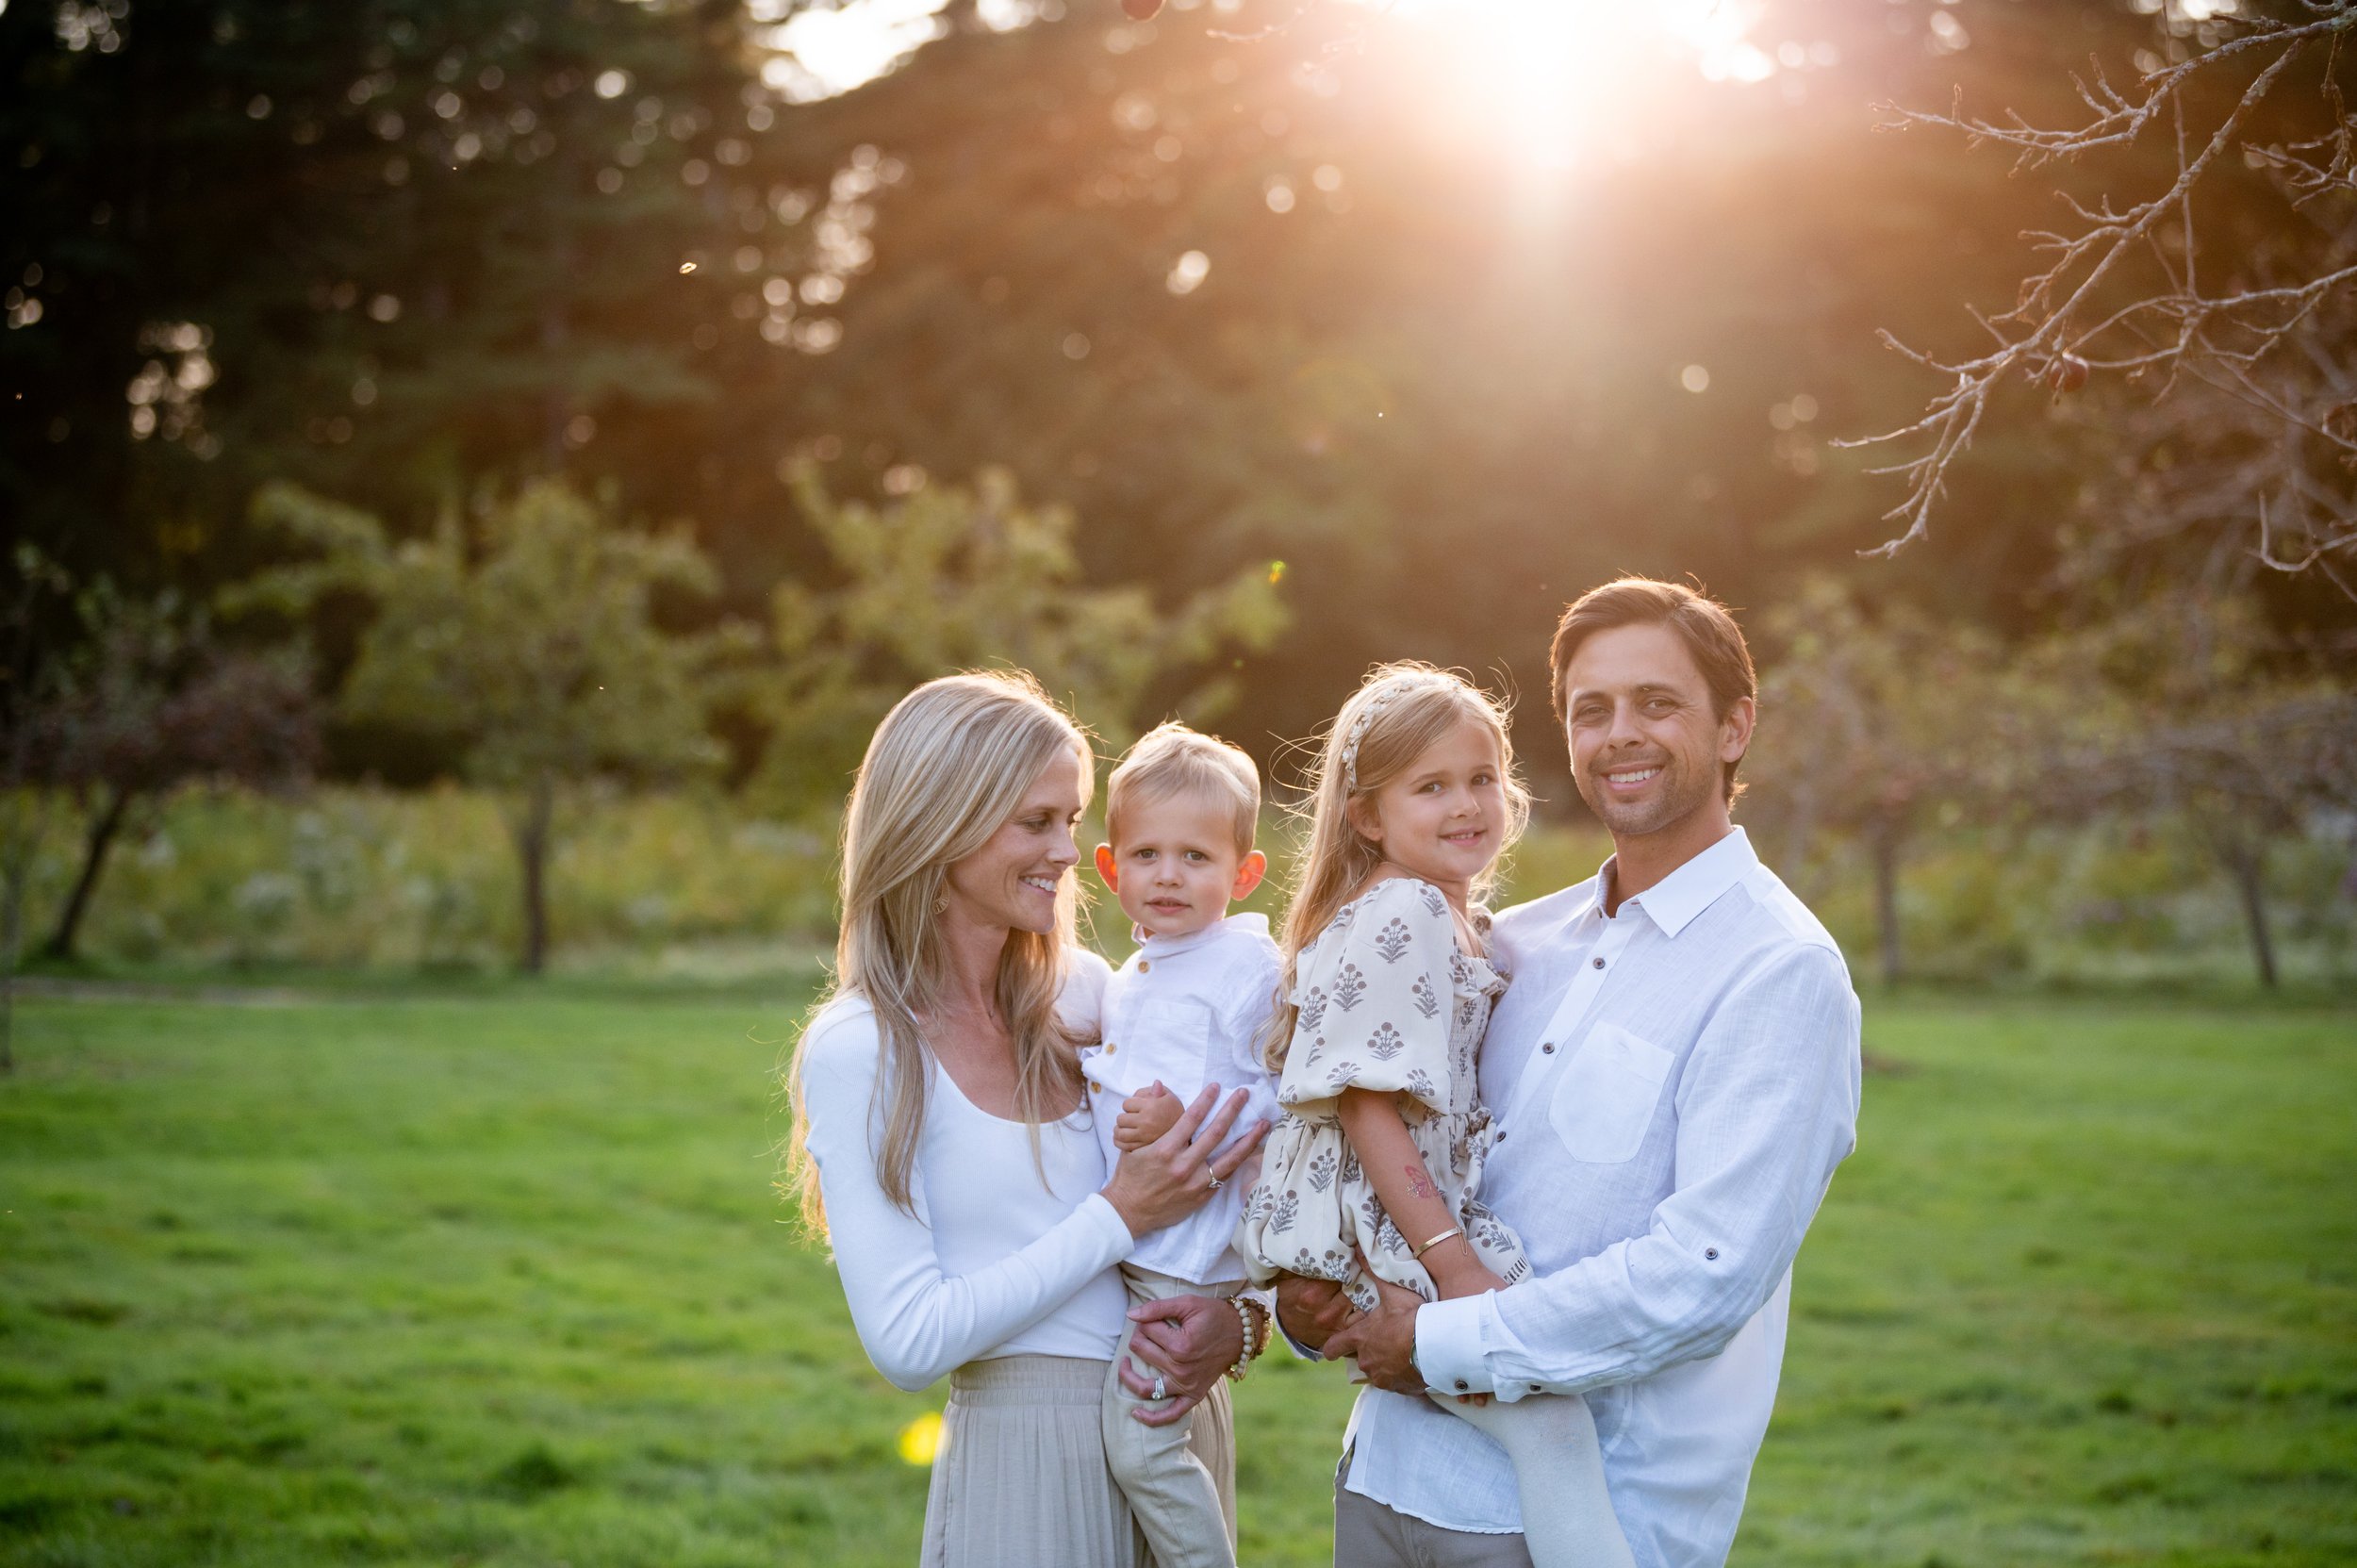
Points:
(1637, 820)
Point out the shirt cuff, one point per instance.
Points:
(1449, 1337)
(1110, 1226)
(1299, 1350)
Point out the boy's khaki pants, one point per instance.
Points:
(1180, 1479)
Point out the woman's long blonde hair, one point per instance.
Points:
(946, 768)
(1397, 712)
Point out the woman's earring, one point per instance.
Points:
(941, 904)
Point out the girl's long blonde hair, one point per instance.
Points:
(1397, 712)
(946, 768)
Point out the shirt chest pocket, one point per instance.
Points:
(1604, 1101)
(1165, 1040)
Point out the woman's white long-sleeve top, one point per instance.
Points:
(995, 1261)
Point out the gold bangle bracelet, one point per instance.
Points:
(1452, 1230)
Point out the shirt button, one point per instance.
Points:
(1460, 1384)
(1144, 965)
(1110, 1047)
(1548, 1049)
(1500, 1138)
(1536, 1389)
(1599, 963)
(1711, 1253)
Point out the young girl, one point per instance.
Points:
(1378, 1152)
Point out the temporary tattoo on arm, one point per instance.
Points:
(1419, 1183)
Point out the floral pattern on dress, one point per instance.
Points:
(1370, 992)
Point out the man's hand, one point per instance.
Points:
(1192, 1340)
(1310, 1310)
(1384, 1339)
(1146, 1116)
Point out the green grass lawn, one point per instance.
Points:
(499, 1280)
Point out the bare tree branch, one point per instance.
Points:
(2272, 351)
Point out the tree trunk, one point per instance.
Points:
(1884, 840)
(532, 849)
(102, 837)
(2248, 862)
(24, 840)
(12, 879)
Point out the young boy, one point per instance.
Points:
(1187, 1010)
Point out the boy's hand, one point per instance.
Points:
(1312, 1311)
(1146, 1116)
(1384, 1341)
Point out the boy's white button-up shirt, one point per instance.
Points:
(1188, 1011)
(1674, 1086)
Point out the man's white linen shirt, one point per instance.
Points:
(1673, 1085)
(1188, 1011)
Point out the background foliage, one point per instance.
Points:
(689, 884)
(1194, 364)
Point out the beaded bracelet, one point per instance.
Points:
(1245, 1357)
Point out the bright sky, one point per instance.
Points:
(834, 51)
(1538, 50)
(1551, 78)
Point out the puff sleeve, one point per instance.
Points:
(1375, 995)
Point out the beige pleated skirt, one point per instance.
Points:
(1020, 1481)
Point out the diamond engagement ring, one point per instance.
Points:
(1162, 1391)
(1216, 1185)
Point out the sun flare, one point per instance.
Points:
(1555, 81)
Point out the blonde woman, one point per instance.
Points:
(942, 1139)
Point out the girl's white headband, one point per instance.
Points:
(1398, 686)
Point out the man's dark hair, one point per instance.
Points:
(1702, 623)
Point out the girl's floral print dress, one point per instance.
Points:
(1386, 1003)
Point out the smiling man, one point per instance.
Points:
(1674, 1075)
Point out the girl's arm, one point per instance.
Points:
(1372, 1121)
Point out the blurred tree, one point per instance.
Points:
(1348, 307)
(154, 703)
(1452, 363)
(416, 240)
(948, 578)
(1882, 720)
(31, 692)
(529, 649)
(2187, 705)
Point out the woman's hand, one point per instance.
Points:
(1192, 1341)
(1169, 1178)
